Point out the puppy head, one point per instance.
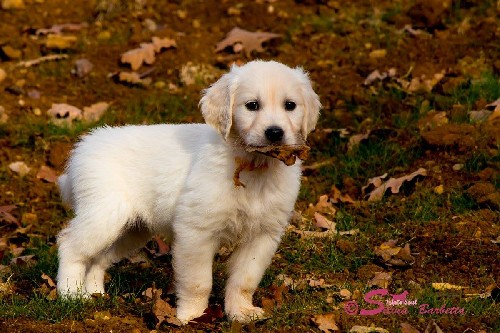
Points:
(262, 103)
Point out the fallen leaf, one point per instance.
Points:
(479, 116)
(82, 67)
(373, 183)
(337, 197)
(495, 106)
(326, 322)
(381, 279)
(439, 189)
(95, 111)
(394, 255)
(367, 329)
(163, 311)
(64, 114)
(377, 76)
(162, 43)
(136, 57)
(323, 206)
(20, 168)
(23, 260)
(6, 216)
(12, 4)
(345, 294)
(249, 41)
(133, 78)
(393, 185)
(210, 315)
(407, 328)
(286, 153)
(356, 140)
(313, 234)
(446, 286)
(60, 42)
(432, 324)
(47, 174)
(323, 223)
(49, 280)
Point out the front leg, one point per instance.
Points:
(246, 268)
(193, 254)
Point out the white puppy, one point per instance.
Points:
(126, 184)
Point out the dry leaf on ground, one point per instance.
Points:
(161, 310)
(82, 67)
(326, 322)
(394, 255)
(20, 168)
(337, 197)
(49, 280)
(381, 279)
(47, 174)
(432, 325)
(6, 216)
(323, 206)
(248, 41)
(323, 223)
(407, 328)
(136, 57)
(494, 106)
(432, 119)
(162, 43)
(133, 78)
(393, 185)
(376, 75)
(63, 114)
(373, 183)
(95, 111)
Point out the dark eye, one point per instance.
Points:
(290, 106)
(252, 105)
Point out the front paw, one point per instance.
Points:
(188, 312)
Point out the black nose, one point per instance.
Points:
(274, 133)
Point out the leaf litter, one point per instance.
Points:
(243, 40)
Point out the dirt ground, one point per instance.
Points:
(432, 57)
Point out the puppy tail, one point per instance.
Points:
(65, 187)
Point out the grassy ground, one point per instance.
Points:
(449, 218)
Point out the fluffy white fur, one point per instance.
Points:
(126, 184)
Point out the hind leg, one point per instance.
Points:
(130, 241)
(89, 234)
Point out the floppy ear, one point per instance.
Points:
(218, 101)
(311, 103)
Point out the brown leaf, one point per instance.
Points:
(373, 183)
(407, 328)
(47, 174)
(82, 67)
(394, 255)
(393, 185)
(102, 315)
(133, 78)
(337, 197)
(162, 310)
(356, 140)
(326, 322)
(49, 280)
(367, 329)
(381, 279)
(136, 57)
(250, 41)
(35, 62)
(323, 206)
(313, 234)
(162, 43)
(19, 167)
(494, 106)
(6, 216)
(286, 153)
(23, 260)
(210, 315)
(95, 111)
(432, 119)
(324, 223)
(64, 114)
